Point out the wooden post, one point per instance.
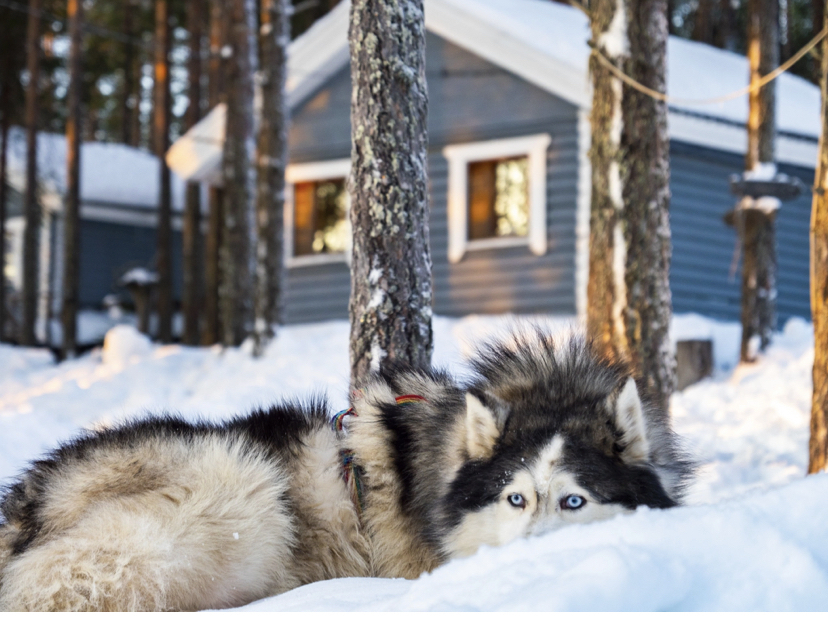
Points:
(818, 445)
(71, 210)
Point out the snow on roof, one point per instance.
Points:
(113, 174)
(545, 43)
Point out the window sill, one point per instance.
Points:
(316, 260)
(497, 243)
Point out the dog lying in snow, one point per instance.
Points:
(165, 514)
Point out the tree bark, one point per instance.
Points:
(5, 122)
(756, 227)
(391, 287)
(818, 445)
(31, 208)
(629, 301)
(236, 289)
(274, 37)
(163, 256)
(211, 331)
(71, 211)
(191, 234)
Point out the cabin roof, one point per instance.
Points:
(546, 43)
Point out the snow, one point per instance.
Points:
(110, 173)
(751, 538)
(545, 43)
(139, 276)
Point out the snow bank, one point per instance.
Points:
(767, 551)
(124, 344)
(753, 537)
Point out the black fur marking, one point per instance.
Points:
(279, 429)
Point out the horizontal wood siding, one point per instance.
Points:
(469, 100)
(108, 250)
(704, 246)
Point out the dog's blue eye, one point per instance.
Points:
(516, 500)
(573, 501)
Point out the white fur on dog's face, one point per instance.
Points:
(544, 486)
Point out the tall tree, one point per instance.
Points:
(629, 302)
(191, 236)
(274, 36)
(163, 256)
(818, 445)
(236, 289)
(391, 288)
(756, 226)
(211, 331)
(71, 210)
(5, 122)
(31, 208)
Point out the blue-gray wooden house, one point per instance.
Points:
(119, 199)
(508, 112)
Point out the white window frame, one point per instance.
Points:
(306, 172)
(460, 155)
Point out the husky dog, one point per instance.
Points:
(165, 514)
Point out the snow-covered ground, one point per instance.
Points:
(752, 537)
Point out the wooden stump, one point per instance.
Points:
(694, 361)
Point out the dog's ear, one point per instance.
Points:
(484, 424)
(629, 419)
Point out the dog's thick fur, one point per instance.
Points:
(165, 514)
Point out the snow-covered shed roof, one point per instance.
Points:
(111, 174)
(545, 43)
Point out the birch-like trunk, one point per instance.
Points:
(756, 227)
(272, 152)
(629, 301)
(818, 445)
(163, 256)
(71, 210)
(192, 268)
(391, 288)
(31, 208)
(236, 289)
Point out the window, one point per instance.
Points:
(497, 195)
(316, 220)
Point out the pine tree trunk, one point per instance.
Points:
(274, 37)
(5, 121)
(31, 208)
(71, 213)
(163, 255)
(391, 288)
(236, 290)
(757, 227)
(211, 330)
(191, 234)
(818, 446)
(629, 304)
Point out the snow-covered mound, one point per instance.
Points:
(752, 538)
(766, 551)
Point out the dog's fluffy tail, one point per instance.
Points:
(5, 551)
